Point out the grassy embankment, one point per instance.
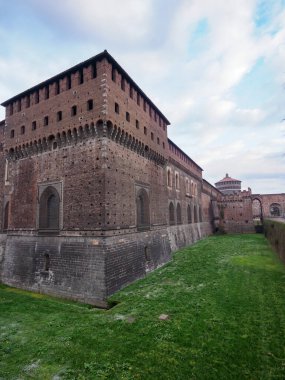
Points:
(225, 297)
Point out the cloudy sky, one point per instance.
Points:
(216, 69)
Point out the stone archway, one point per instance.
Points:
(257, 214)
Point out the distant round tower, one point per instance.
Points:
(228, 185)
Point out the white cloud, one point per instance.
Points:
(190, 74)
(124, 21)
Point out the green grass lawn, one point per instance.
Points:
(225, 297)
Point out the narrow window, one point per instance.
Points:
(56, 88)
(34, 125)
(47, 92)
(6, 172)
(6, 216)
(150, 111)
(169, 178)
(123, 83)
(195, 214)
(93, 70)
(22, 130)
(73, 110)
(176, 181)
(47, 262)
(127, 116)
(12, 134)
(189, 216)
(137, 124)
(11, 109)
(187, 186)
(144, 105)
(178, 213)
(131, 92)
(68, 82)
(37, 96)
(59, 116)
(90, 105)
(80, 76)
(171, 213)
(155, 116)
(163, 145)
(117, 108)
(113, 74)
(138, 99)
(158, 141)
(19, 105)
(164, 126)
(200, 214)
(45, 120)
(28, 101)
(151, 136)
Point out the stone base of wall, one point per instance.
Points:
(75, 270)
(90, 269)
(183, 235)
(238, 228)
(3, 238)
(275, 233)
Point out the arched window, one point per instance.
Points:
(176, 181)
(200, 213)
(187, 186)
(143, 219)
(178, 213)
(195, 214)
(275, 209)
(6, 216)
(169, 178)
(49, 209)
(171, 213)
(189, 214)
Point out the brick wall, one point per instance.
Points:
(98, 160)
(275, 233)
(236, 212)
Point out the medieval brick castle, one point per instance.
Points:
(94, 194)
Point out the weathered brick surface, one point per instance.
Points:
(98, 161)
(183, 235)
(236, 212)
(77, 266)
(131, 256)
(275, 232)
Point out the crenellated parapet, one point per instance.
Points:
(77, 135)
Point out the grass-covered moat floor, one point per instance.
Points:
(225, 297)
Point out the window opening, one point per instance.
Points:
(171, 213)
(59, 116)
(73, 110)
(90, 105)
